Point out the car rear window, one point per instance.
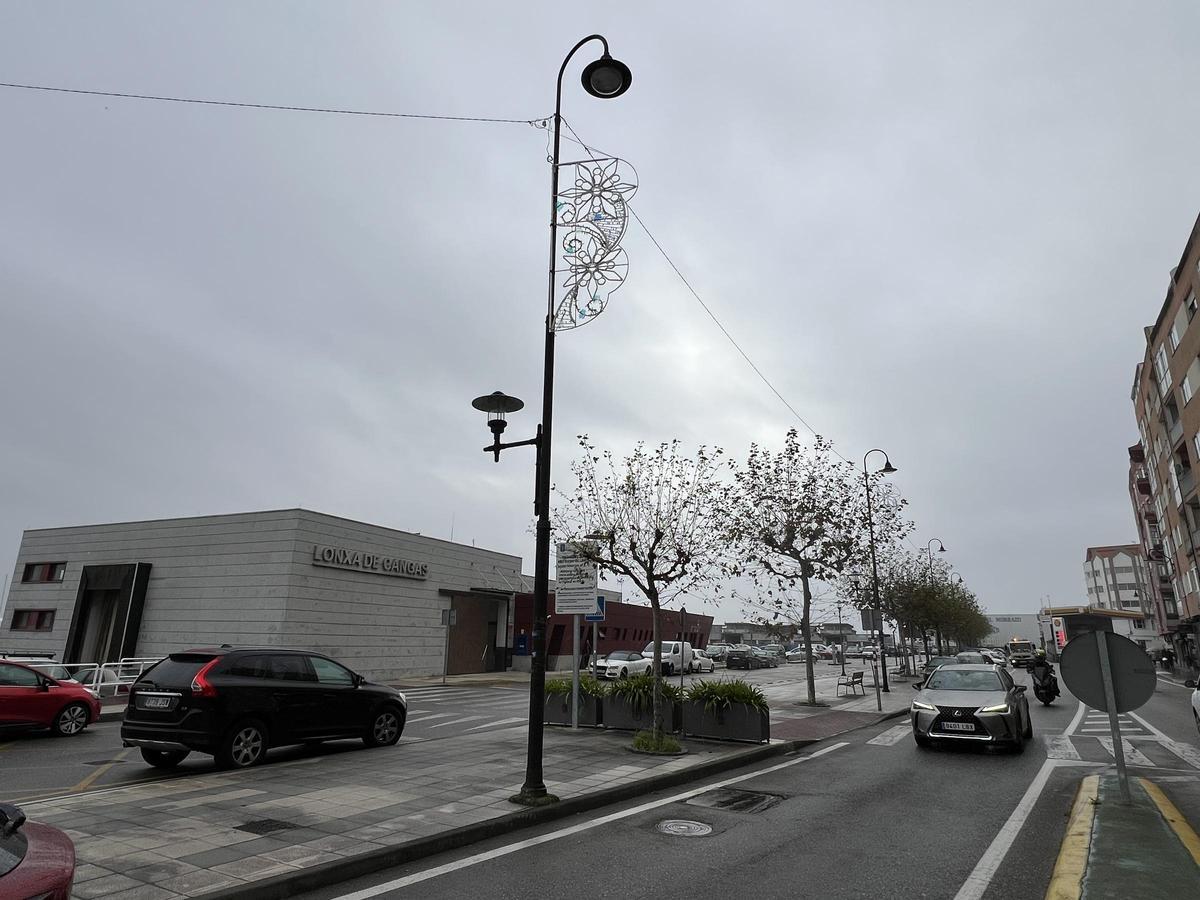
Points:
(964, 680)
(12, 851)
(177, 670)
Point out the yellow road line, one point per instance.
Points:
(1067, 881)
(91, 779)
(1175, 819)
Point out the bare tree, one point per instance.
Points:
(800, 515)
(654, 517)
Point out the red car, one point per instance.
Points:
(30, 699)
(36, 861)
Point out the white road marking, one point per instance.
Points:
(981, 876)
(367, 893)
(891, 736)
(1186, 752)
(427, 718)
(457, 721)
(1132, 755)
(1059, 746)
(1079, 711)
(499, 722)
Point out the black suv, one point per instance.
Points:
(235, 703)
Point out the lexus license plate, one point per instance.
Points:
(156, 702)
(958, 726)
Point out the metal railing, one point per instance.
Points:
(105, 679)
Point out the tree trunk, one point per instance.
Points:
(656, 666)
(804, 620)
(925, 638)
(939, 639)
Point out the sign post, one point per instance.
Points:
(576, 579)
(596, 618)
(1112, 674)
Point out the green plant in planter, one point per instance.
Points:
(638, 691)
(646, 742)
(723, 694)
(588, 687)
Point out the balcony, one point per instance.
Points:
(1175, 432)
(1151, 517)
(1187, 481)
(1143, 485)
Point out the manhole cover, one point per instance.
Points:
(736, 801)
(266, 826)
(684, 828)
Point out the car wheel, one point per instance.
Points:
(245, 745)
(164, 759)
(624, 673)
(385, 728)
(1028, 733)
(72, 720)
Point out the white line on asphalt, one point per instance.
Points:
(1166, 680)
(1059, 746)
(1075, 721)
(427, 718)
(892, 736)
(367, 893)
(1135, 756)
(457, 721)
(981, 876)
(1186, 752)
(499, 722)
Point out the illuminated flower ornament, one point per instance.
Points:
(593, 214)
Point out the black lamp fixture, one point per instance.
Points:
(606, 77)
(498, 405)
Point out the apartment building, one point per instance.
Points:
(1115, 578)
(1163, 466)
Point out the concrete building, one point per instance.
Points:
(1015, 626)
(1114, 578)
(1164, 386)
(370, 596)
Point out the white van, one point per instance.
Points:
(673, 661)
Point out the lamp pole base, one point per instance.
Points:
(533, 798)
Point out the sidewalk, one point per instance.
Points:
(1114, 851)
(792, 719)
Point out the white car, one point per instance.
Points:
(798, 655)
(623, 663)
(1195, 703)
(702, 662)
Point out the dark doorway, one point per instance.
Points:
(473, 636)
(108, 613)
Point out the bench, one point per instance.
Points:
(851, 682)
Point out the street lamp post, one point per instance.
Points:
(929, 552)
(605, 78)
(887, 469)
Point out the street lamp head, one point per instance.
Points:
(941, 547)
(888, 468)
(497, 405)
(606, 77)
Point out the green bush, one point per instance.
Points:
(723, 693)
(648, 743)
(588, 687)
(638, 691)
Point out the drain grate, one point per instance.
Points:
(736, 801)
(683, 828)
(266, 826)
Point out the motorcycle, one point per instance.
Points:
(1045, 688)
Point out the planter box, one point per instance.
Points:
(558, 710)
(620, 715)
(737, 722)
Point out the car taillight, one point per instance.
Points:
(201, 686)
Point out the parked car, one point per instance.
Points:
(31, 700)
(1195, 701)
(971, 703)
(702, 662)
(623, 663)
(770, 658)
(55, 670)
(776, 650)
(717, 651)
(37, 862)
(798, 655)
(236, 703)
(743, 656)
(675, 657)
(997, 658)
(974, 658)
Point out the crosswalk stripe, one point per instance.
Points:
(1132, 754)
(1186, 752)
(499, 722)
(427, 718)
(457, 721)
(1059, 746)
(892, 736)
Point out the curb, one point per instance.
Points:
(282, 887)
(113, 714)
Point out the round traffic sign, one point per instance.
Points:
(1132, 671)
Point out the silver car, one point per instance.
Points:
(971, 703)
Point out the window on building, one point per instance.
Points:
(1162, 371)
(1191, 381)
(1190, 306)
(42, 572)
(32, 620)
(1170, 608)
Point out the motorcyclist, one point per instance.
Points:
(1042, 671)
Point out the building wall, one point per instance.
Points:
(249, 579)
(1115, 578)
(1006, 626)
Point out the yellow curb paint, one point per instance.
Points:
(1175, 819)
(87, 782)
(1067, 881)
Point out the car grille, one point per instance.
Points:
(966, 715)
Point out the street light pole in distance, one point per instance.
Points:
(887, 469)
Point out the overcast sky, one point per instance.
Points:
(938, 228)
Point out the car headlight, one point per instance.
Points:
(921, 704)
(998, 708)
